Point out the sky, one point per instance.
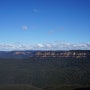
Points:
(44, 24)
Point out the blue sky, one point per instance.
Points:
(44, 24)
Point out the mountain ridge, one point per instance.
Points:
(46, 54)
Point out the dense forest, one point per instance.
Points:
(44, 73)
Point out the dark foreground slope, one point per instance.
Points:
(29, 87)
(18, 87)
(46, 73)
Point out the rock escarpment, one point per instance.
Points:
(46, 54)
(64, 54)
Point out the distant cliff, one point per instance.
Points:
(69, 54)
(46, 54)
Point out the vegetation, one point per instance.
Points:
(18, 87)
(45, 73)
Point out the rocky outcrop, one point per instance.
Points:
(22, 53)
(46, 54)
(72, 53)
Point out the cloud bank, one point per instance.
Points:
(45, 46)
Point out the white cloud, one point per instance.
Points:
(45, 46)
(51, 32)
(56, 30)
(40, 45)
(24, 27)
(35, 10)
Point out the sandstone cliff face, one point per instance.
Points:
(46, 54)
(21, 53)
(74, 54)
